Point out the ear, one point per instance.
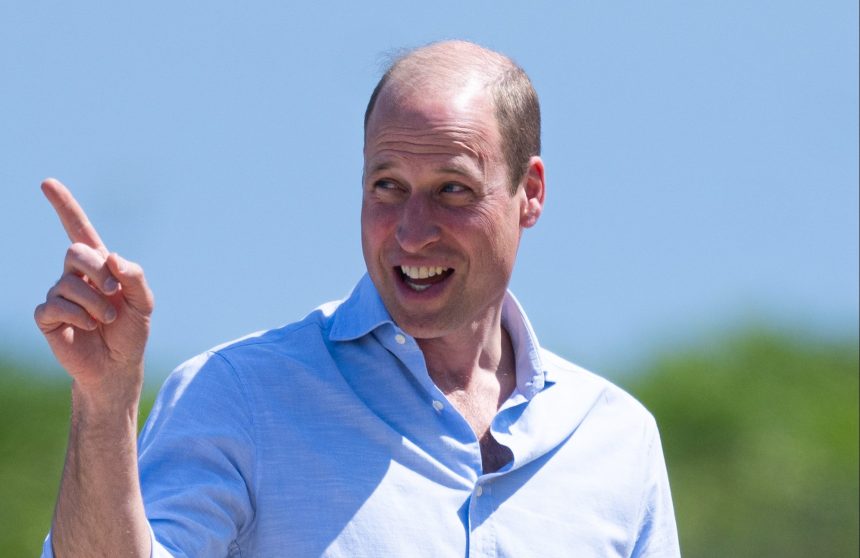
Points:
(534, 187)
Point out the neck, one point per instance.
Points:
(478, 357)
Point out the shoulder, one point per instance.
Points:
(603, 395)
(297, 341)
(258, 354)
(315, 325)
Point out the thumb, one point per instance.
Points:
(134, 288)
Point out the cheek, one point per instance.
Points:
(368, 234)
(378, 223)
(373, 220)
(499, 229)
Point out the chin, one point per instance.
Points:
(417, 328)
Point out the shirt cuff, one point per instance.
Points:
(47, 549)
(157, 551)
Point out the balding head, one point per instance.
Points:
(463, 66)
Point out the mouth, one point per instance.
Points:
(421, 278)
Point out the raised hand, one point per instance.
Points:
(96, 317)
(96, 320)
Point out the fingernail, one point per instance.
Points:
(110, 285)
(120, 263)
(110, 314)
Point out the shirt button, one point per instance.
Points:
(438, 405)
(400, 338)
(479, 491)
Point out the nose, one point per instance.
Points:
(417, 228)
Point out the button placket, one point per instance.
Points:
(482, 540)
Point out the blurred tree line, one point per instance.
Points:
(760, 433)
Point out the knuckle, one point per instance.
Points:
(134, 270)
(52, 292)
(62, 284)
(82, 247)
(74, 251)
(80, 255)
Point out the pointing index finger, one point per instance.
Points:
(74, 220)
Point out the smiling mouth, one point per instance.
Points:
(419, 278)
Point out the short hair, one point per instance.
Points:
(515, 100)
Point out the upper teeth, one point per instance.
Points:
(422, 272)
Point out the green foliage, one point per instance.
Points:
(32, 443)
(760, 434)
(761, 440)
(34, 417)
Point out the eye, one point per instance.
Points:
(454, 188)
(387, 191)
(384, 185)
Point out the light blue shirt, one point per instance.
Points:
(327, 437)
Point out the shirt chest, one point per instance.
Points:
(357, 501)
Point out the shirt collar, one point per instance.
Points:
(363, 311)
(531, 373)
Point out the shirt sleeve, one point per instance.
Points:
(47, 549)
(197, 461)
(158, 551)
(658, 533)
(196, 458)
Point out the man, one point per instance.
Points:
(418, 417)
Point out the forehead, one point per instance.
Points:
(433, 121)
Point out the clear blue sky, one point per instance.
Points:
(702, 160)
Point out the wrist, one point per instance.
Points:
(111, 403)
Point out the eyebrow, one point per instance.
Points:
(455, 169)
(385, 165)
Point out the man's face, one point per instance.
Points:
(439, 227)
